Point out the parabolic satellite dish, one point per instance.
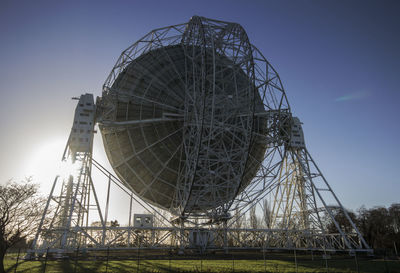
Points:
(194, 120)
(184, 114)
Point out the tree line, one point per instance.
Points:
(380, 226)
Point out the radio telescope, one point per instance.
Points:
(183, 115)
(195, 121)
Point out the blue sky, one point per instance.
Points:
(338, 61)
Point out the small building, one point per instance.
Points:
(143, 220)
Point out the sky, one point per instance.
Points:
(338, 61)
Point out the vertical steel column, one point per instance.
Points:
(130, 221)
(226, 236)
(44, 213)
(106, 212)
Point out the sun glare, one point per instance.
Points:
(45, 163)
(67, 168)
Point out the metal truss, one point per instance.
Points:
(297, 206)
(69, 210)
(227, 101)
(224, 154)
(296, 219)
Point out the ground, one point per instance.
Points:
(273, 263)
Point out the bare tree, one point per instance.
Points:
(376, 226)
(267, 214)
(20, 212)
(254, 221)
(394, 212)
(239, 219)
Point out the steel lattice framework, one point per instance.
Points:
(202, 100)
(195, 121)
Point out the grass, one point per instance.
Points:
(272, 264)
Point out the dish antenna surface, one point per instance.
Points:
(184, 114)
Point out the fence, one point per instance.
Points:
(139, 260)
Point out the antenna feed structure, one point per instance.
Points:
(80, 140)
